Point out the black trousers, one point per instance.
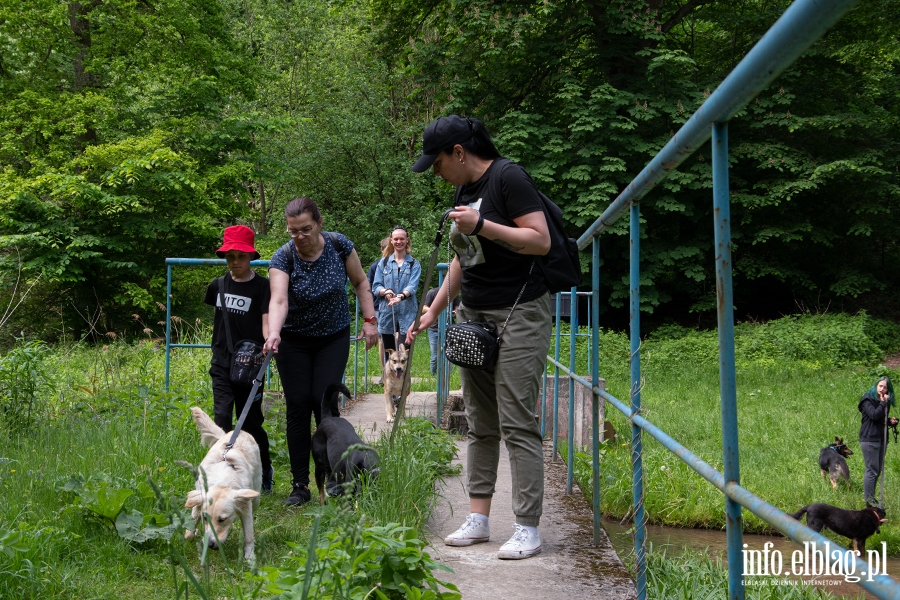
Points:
(229, 399)
(307, 366)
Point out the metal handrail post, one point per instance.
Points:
(355, 354)
(637, 465)
(556, 387)
(727, 375)
(544, 403)
(443, 375)
(595, 381)
(168, 320)
(573, 328)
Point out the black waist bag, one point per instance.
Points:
(246, 361)
(472, 345)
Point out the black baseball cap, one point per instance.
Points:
(442, 133)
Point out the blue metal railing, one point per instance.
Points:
(443, 374)
(799, 27)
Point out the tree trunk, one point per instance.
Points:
(263, 217)
(81, 28)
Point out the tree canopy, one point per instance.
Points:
(133, 130)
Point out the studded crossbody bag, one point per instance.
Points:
(476, 344)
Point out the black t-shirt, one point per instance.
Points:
(492, 276)
(429, 298)
(247, 302)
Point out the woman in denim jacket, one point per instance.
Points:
(396, 281)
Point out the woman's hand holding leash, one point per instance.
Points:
(466, 219)
(272, 342)
(425, 321)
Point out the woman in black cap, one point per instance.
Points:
(498, 229)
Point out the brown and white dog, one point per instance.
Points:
(231, 488)
(395, 366)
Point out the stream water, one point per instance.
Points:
(714, 543)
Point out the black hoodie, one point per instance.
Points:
(873, 414)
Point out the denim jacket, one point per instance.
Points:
(399, 278)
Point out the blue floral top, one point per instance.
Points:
(399, 278)
(317, 290)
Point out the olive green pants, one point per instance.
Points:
(501, 403)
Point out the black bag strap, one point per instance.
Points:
(341, 250)
(221, 285)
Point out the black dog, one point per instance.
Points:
(333, 437)
(832, 463)
(854, 524)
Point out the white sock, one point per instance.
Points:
(482, 519)
(532, 530)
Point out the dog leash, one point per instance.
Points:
(887, 412)
(257, 382)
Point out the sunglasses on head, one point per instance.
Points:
(401, 228)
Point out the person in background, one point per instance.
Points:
(433, 333)
(377, 301)
(309, 324)
(247, 306)
(396, 282)
(875, 406)
(497, 238)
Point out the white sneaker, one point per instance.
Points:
(524, 543)
(474, 531)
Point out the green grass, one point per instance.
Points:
(102, 415)
(798, 387)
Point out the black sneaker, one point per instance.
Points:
(299, 495)
(268, 480)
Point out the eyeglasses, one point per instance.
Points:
(301, 233)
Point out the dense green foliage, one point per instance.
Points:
(134, 131)
(585, 92)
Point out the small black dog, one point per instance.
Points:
(331, 441)
(854, 524)
(832, 463)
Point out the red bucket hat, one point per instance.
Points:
(240, 238)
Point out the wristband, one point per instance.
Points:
(478, 225)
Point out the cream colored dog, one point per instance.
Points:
(394, 373)
(232, 485)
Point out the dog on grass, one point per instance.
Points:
(832, 462)
(227, 487)
(338, 452)
(395, 366)
(858, 525)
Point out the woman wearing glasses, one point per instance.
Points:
(396, 282)
(309, 324)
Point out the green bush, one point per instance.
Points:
(355, 562)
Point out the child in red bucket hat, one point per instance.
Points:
(240, 238)
(246, 295)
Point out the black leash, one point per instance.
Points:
(428, 275)
(887, 412)
(257, 382)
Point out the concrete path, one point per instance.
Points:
(569, 565)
